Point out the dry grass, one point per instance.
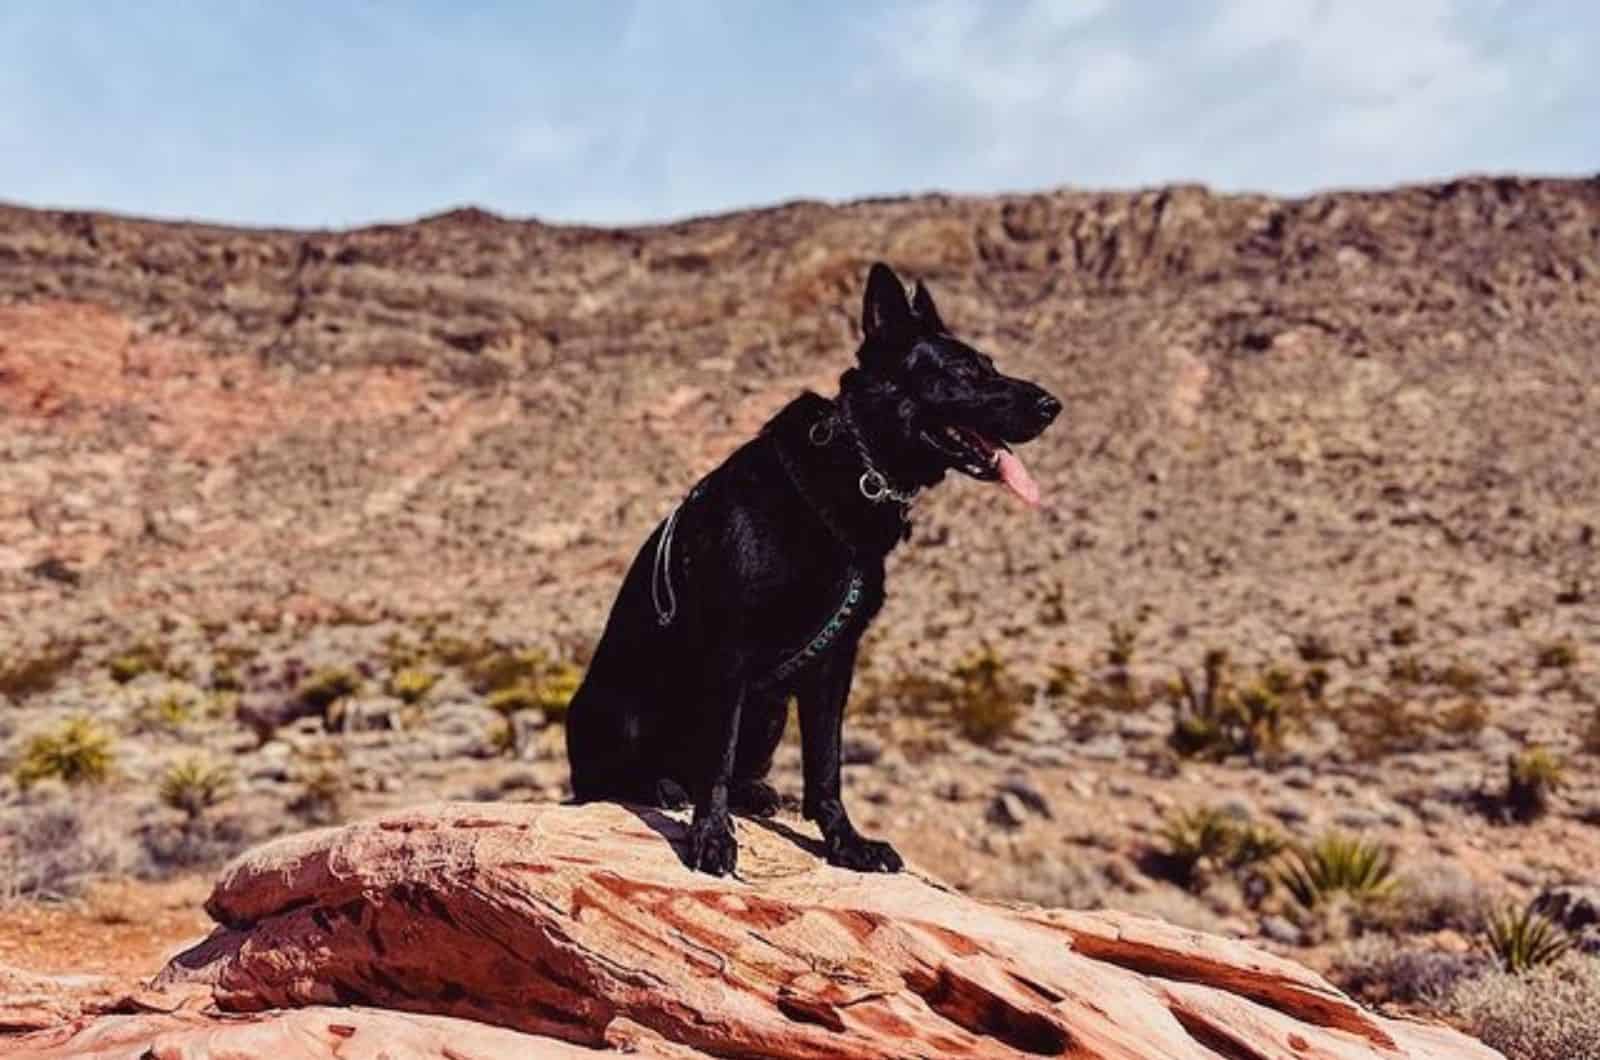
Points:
(1549, 1014)
(1378, 970)
(52, 847)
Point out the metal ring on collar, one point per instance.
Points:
(874, 487)
(821, 432)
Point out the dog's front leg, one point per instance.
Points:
(822, 699)
(712, 847)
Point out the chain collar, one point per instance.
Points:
(874, 484)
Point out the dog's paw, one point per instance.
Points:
(670, 795)
(864, 855)
(712, 847)
(755, 799)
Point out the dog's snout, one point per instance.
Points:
(1047, 407)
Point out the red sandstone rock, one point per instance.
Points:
(317, 1032)
(580, 924)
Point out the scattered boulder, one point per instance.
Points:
(1577, 909)
(510, 929)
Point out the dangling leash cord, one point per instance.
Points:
(661, 571)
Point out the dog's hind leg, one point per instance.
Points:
(761, 724)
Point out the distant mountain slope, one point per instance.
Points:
(1341, 414)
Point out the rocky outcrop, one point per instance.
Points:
(580, 925)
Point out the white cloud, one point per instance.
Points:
(1285, 94)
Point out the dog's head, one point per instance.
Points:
(946, 405)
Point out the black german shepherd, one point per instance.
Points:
(759, 585)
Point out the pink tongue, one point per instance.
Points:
(1016, 477)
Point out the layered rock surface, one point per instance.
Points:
(471, 930)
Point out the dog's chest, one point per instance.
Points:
(824, 612)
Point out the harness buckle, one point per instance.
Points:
(821, 433)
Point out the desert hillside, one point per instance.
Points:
(342, 512)
(1282, 415)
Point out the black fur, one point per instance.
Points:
(760, 561)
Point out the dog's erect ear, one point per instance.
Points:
(885, 313)
(927, 313)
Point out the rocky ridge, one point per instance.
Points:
(579, 924)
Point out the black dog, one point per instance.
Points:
(760, 584)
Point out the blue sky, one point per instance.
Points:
(343, 112)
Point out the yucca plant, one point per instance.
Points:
(503, 737)
(1216, 717)
(1532, 777)
(556, 688)
(78, 751)
(1523, 939)
(1198, 840)
(985, 700)
(1338, 864)
(1254, 843)
(411, 684)
(194, 785)
(168, 712)
(512, 699)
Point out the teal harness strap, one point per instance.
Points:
(825, 636)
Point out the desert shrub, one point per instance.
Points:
(1115, 687)
(1591, 732)
(1403, 636)
(985, 701)
(1379, 723)
(1337, 864)
(225, 677)
(145, 657)
(1557, 655)
(1217, 716)
(34, 673)
(1532, 778)
(459, 651)
(1197, 842)
(1433, 897)
(168, 711)
(78, 751)
(513, 699)
(1315, 648)
(1206, 840)
(324, 785)
(556, 687)
(1550, 1013)
(196, 842)
(503, 669)
(1378, 970)
(1063, 679)
(322, 688)
(1521, 939)
(52, 848)
(1053, 605)
(194, 785)
(503, 737)
(411, 684)
(322, 796)
(909, 692)
(1254, 844)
